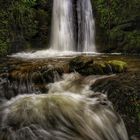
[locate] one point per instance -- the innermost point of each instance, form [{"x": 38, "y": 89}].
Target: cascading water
[
  {"x": 70, "y": 111},
  {"x": 70, "y": 34},
  {"x": 86, "y": 27},
  {"x": 62, "y": 26}
]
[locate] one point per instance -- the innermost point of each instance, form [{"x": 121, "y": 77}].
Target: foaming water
[
  {"x": 70, "y": 111},
  {"x": 50, "y": 54},
  {"x": 75, "y": 83},
  {"x": 56, "y": 54},
  {"x": 59, "y": 116}
]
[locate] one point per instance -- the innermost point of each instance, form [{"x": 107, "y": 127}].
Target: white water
[
  {"x": 62, "y": 26},
  {"x": 70, "y": 111},
  {"x": 50, "y": 54},
  {"x": 62, "y": 41},
  {"x": 86, "y": 27}
]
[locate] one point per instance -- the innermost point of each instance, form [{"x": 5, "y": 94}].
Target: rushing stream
[
  {"x": 40, "y": 99},
  {"x": 70, "y": 111}
]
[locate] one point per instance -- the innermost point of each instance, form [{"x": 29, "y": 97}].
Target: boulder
[
  {"x": 80, "y": 62},
  {"x": 87, "y": 66},
  {"x": 117, "y": 66}
]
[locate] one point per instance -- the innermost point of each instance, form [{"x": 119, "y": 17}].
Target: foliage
[
  {"x": 21, "y": 24},
  {"x": 117, "y": 25},
  {"x": 3, "y": 33}
]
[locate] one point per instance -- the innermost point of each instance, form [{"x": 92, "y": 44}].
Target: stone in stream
[{"x": 87, "y": 66}]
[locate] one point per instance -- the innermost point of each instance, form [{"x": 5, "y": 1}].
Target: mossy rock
[
  {"x": 86, "y": 66},
  {"x": 52, "y": 75},
  {"x": 37, "y": 71},
  {"x": 80, "y": 62},
  {"x": 117, "y": 66},
  {"x": 95, "y": 68}
]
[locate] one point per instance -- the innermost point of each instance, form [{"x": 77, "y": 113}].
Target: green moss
[
  {"x": 87, "y": 66},
  {"x": 118, "y": 66}
]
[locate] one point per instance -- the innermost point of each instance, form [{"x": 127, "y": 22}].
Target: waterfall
[
  {"x": 72, "y": 31},
  {"x": 86, "y": 26},
  {"x": 62, "y": 26}
]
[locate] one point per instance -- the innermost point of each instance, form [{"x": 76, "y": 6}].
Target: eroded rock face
[{"x": 19, "y": 76}]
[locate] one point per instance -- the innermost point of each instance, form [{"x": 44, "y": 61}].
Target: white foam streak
[{"x": 50, "y": 54}]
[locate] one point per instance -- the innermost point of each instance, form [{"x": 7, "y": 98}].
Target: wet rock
[
  {"x": 37, "y": 73},
  {"x": 117, "y": 66},
  {"x": 94, "y": 68},
  {"x": 80, "y": 62},
  {"x": 52, "y": 75},
  {"x": 87, "y": 66},
  {"x": 124, "y": 92},
  {"x": 6, "y": 89},
  {"x": 31, "y": 77}
]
